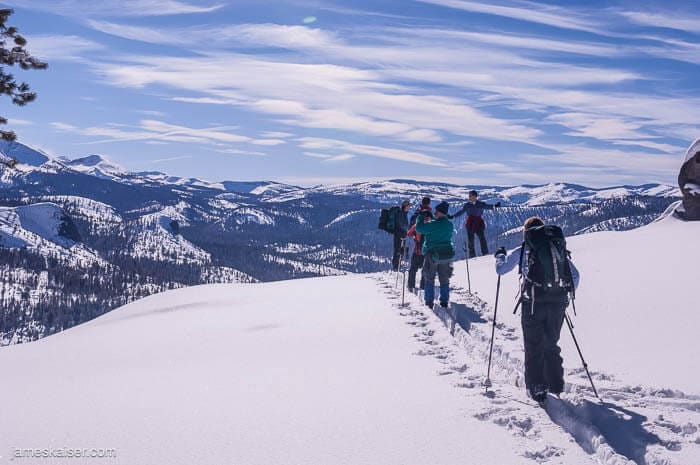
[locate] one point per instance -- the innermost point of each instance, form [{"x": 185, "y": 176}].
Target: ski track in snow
[{"x": 626, "y": 427}]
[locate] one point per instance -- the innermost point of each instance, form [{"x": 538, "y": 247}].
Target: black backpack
[
  {"x": 387, "y": 219},
  {"x": 548, "y": 260}
]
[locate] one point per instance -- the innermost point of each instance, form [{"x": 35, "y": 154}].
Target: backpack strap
[{"x": 520, "y": 261}]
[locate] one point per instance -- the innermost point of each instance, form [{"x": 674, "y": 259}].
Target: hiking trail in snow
[{"x": 631, "y": 425}]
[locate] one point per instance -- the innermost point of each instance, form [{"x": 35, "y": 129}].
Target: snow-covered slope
[
  {"x": 692, "y": 150},
  {"x": 248, "y": 374},
  {"x": 637, "y": 301},
  {"x": 335, "y": 370},
  {"x": 98, "y": 166}
]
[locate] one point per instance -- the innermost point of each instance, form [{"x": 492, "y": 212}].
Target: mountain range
[{"x": 81, "y": 236}]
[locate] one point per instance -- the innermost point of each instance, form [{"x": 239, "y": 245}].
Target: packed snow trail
[{"x": 632, "y": 425}]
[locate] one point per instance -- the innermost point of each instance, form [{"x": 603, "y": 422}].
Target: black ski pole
[
  {"x": 487, "y": 383},
  {"x": 578, "y": 348}
]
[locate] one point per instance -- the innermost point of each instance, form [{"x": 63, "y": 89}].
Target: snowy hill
[{"x": 258, "y": 374}]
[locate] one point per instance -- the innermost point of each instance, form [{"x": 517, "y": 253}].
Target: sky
[{"x": 325, "y": 91}]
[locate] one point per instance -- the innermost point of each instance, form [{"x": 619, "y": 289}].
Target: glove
[
  {"x": 450, "y": 217},
  {"x": 498, "y": 204},
  {"x": 500, "y": 251}
]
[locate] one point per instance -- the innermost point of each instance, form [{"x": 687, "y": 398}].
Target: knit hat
[{"x": 443, "y": 207}]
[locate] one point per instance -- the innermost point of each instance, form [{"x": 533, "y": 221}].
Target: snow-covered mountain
[
  {"x": 529, "y": 195},
  {"x": 251, "y": 373},
  {"x": 141, "y": 233}
]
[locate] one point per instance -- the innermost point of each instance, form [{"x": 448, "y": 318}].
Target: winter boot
[{"x": 539, "y": 394}]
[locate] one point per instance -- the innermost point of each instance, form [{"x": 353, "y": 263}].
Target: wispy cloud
[
  {"x": 526, "y": 11},
  {"x": 154, "y": 130},
  {"x": 117, "y": 8},
  {"x": 61, "y": 47},
  {"x": 317, "y": 143},
  {"x": 686, "y": 21},
  {"x": 163, "y": 160},
  {"x": 330, "y": 158}
]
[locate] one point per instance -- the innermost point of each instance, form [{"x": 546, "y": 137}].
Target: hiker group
[{"x": 547, "y": 275}]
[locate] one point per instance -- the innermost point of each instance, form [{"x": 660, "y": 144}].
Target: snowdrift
[{"x": 638, "y": 311}]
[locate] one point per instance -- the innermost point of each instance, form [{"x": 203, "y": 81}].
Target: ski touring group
[{"x": 548, "y": 277}]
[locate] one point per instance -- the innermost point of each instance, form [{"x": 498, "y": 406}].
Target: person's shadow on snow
[
  {"x": 464, "y": 316},
  {"x": 622, "y": 428}
]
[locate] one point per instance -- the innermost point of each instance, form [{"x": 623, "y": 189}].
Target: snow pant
[
  {"x": 476, "y": 225},
  {"x": 443, "y": 272},
  {"x": 416, "y": 264},
  {"x": 541, "y": 328},
  {"x": 398, "y": 250}
]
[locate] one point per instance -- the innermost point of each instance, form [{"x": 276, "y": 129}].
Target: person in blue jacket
[{"x": 438, "y": 251}]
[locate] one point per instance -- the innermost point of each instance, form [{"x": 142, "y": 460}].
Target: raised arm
[{"x": 461, "y": 212}]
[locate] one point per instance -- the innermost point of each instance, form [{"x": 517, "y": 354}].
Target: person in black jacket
[{"x": 400, "y": 231}]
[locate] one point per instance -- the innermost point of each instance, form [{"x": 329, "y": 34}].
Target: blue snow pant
[
  {"x": 541, "y": 328},
  {"x": 443, "y": 272}
]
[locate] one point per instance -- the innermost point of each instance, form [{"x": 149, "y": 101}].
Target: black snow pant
[
  {"x": 541, "y": 328},
  {"x": 482, "y": 240},
  {"x": 416, "y": 264},
  {"x": 398, "y": 250}
]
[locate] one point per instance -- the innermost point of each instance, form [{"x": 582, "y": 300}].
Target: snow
[
  {"x": 98, "y": 166},
  {"x": 28, "y": 225},
  {"x": 24, "y": 154},
  {"x": 337, "y": 370},
  {"x": 692, "y": 150},
  {"x": 207, "y": 377},
  {"x": 637, "y": 314}
]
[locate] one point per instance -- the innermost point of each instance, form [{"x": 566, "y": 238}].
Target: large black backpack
[
  {"x": 548, "y": 260},
  {"x": 387, "y": 219}
]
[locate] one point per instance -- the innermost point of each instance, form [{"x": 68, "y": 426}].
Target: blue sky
[{"x": 323, "y": 91}]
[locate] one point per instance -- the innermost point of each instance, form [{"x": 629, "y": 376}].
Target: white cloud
[
  {"x": 679, "y": 20},
  {"x": 317, "y": 143},
  {"x": 124, "y": 8},
  {"x": 160, "y": 131},
  {"x": 61, "y": 47},
  {"x": 527, "y": 11}
]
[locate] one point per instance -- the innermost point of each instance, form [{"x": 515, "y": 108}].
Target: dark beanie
[
  {"x": 443, "y": 207},
  {"x": 426, "y": 201}
]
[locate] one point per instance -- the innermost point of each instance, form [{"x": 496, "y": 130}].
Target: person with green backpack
[
  {"x": 438, "y": 250},
  {"x": 549, "y": 280}
]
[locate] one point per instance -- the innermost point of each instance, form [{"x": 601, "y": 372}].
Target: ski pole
[
  {"x": 398, "y": 270},
  {"x": 578, "y": 348},
  {"x": 487, "y": 383},
  {"x": 403, "y": 286},
  {"x": 466, "y": 259}
]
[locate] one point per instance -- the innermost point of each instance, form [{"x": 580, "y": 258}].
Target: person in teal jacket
[{"x": 438, "y": 250}]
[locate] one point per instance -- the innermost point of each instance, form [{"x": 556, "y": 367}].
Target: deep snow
[
  {"x": 336, "y": 370},
  {"x": 316, "y": 371},
  {"x": 638, "y": 310}
]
